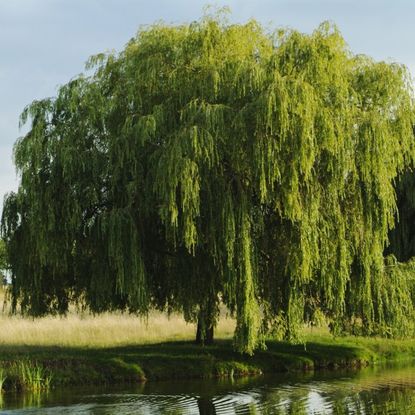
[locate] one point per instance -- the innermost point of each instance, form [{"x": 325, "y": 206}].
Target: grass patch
[
  {"x": 2, "y": 378},
  {"x": 184, "y": 360},
  {"x": 106, "y": 330},
  {"x": 24, "y": 375},
  {"x": 114, "y": 348},
  {"x": 82, "y": 329}
]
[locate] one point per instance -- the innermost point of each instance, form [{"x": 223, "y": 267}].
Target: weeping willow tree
[{"x": 216, "y": 162}]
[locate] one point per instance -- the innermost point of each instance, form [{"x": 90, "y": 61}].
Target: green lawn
[{"x": 184, "y": 360}]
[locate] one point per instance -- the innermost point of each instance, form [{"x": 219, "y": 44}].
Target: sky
[{"x": 45, "y": 43}]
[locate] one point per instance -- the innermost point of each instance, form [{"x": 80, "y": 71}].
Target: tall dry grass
[{"x": 105, "y": 330}]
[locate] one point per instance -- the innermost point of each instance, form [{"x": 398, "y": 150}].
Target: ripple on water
[{"x": 375, "y": 391}]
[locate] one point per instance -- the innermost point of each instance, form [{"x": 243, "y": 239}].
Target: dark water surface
[{"x": 379, "y": 390}]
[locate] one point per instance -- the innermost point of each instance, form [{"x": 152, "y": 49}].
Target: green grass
[
  {"x": 33, "y": 376},
  {"x": 115, "y": 348},
  {"x": 2, "y": 378},
  {"x": 184, "y": 360},
  {"x": 24, "y": 375}
]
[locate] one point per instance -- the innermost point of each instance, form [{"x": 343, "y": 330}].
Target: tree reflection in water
[{"x": 371, "y": 391}]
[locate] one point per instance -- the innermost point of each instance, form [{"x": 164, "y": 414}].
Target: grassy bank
[
  {"x": 183, "y": 360},
  {"x": 114, "y": 348}
]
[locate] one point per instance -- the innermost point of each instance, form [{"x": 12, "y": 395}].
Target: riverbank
[{"x": 35, "y": 367}]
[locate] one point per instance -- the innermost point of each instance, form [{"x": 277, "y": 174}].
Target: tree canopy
[{"x": 215, "y": 162}]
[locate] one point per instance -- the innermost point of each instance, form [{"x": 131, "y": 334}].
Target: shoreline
[{"x": 37, "y": 368}]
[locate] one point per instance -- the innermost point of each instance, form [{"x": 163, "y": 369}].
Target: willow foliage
[
  {"x": 402, "y": 237},
  {"x": 3, "y": 262},
  {"x": 216, "y": 162}
]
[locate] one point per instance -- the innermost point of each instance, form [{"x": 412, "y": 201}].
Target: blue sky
[{"x": 44, "y": 43}]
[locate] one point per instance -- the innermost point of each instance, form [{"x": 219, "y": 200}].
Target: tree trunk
[
  {"x": 199, "y": 330},
  {"x": 209, "y": 335},
  {"x": 205, "y": 329}
]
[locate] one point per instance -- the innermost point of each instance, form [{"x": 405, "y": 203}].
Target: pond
[{"x": 378, "y": 390}]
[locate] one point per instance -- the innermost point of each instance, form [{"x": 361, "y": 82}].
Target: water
[{"x": 380, "y": 390}]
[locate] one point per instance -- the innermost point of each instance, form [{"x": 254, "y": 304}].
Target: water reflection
[{"x": 387, "y": 390}]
